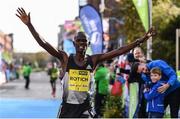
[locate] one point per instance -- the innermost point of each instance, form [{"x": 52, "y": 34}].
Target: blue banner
[{"x": 92, "y": 24}]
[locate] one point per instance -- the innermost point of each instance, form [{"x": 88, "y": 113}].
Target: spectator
[
  {"x": 102, "y": 82},
  {"x": 137, "y": 55},
  {"x": 26, "y": 73},
  {"x": 54, "y": 74},
  {"x": 171, "y": 88},
  {"x": 155, "y": 99}
]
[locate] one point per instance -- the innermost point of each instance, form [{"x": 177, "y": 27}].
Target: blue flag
[{"x": 92, "y": 24}]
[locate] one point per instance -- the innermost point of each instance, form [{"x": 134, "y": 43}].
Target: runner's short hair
[{"x": 80, "y": 35}]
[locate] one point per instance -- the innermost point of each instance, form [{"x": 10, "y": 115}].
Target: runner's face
[{"x": 81, "y": 45}]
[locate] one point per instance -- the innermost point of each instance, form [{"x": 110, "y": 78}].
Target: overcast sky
[{"x": 46, "y": 15}]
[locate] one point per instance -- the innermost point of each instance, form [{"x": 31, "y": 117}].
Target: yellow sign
[{"x": 79, "y": 80}]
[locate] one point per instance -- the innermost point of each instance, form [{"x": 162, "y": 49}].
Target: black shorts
[{"x": 73, "y": 110}]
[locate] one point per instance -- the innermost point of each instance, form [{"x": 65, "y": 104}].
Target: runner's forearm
[
  {"x": 36, "y": 36},
  {"x": 120, "y": 51}
]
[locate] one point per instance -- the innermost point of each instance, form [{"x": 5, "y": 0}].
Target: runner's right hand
[{"x": 23, "y": 16}]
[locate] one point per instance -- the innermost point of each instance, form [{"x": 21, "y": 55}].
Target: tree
[
  {"x": 42, "y": 58},
  {"x": 166, "y": 16},
  {"x": 113, "y": 107}
]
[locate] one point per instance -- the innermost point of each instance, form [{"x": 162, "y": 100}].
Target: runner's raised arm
[
  {"x": 109, "y": 55},
  {"x": 26, "y": 19}
]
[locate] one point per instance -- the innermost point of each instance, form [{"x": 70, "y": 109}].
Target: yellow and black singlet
[{"x": 77, "y": 81}]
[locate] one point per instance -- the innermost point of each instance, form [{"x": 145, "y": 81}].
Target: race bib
[{"x": 79, "y": 80}]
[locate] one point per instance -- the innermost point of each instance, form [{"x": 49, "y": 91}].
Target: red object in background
[{"x": 116, "y": 88}]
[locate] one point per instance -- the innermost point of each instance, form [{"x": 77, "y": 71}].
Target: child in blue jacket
[{"x": 155, "y": 100}]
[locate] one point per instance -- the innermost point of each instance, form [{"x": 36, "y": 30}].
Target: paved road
[
  {"x": 39, "y": 88},
  {"x": 37, "y": 102}
]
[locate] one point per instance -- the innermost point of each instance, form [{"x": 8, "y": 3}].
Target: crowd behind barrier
[{"x": 9, "y": 72}]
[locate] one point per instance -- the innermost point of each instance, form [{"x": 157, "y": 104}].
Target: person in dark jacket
[
  {"x": 155, "y": 99},
  {"x": 171, "y": 88},
  {"x": 137, "y": 55}
]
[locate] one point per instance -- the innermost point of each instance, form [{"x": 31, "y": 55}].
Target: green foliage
[
  {"x": 113, "y": 107},
  {"x": 164, "y": 12},
  {"x": 165, "y": 50},
  {"x": 132, "y": 27},
  {"x": 42, "y": 58},
  {"x": 170, "y": 32},
  {"x": 165, "y": 17}
]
